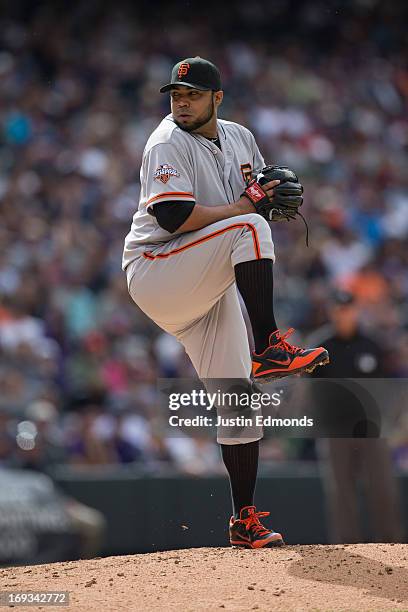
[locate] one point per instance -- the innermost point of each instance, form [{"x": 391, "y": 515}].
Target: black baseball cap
[{"x": 194, "y": 72}]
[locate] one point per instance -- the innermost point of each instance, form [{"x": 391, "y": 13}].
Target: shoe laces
[
  {"x": 282, "y": 344},
  {"x": 253, "y": 522}
]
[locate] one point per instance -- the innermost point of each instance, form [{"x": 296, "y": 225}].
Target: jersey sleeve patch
[{"x": 164, "y": 172}]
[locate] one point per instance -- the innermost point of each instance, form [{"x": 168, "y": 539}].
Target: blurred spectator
[
  {"x": 88, "y": 443},
  {"x": 353, "y": 464}
]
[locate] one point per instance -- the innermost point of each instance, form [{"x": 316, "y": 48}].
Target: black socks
[
  {"x": 255, "y": 283},
  {"x": 241, "y": 461}
]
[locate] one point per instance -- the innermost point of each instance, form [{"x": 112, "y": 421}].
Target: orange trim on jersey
[
  {"x": 190, "y": 245},
  {"x": 170, "y": 193}
]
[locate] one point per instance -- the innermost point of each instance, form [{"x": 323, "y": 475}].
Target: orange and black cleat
[
  {"x": 283, "y": 359},
  {"x": 248, "y": 531}
]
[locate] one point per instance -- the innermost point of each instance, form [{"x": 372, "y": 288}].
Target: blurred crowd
[{"x": 78, "y": 100}]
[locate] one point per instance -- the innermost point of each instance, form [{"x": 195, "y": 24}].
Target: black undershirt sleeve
[{"x": 172, "y": 214}]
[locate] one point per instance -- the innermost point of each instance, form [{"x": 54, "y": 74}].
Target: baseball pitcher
[{"x": 201, "y": 233}]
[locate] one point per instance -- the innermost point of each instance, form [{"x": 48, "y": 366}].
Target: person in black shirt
[{"x": 350, "y": 461}]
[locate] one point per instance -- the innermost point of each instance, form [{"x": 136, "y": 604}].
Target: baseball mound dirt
[{"x": 369, "y": 577}]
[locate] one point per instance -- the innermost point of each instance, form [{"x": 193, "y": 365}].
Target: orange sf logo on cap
[{"x": 183, "y": 70}]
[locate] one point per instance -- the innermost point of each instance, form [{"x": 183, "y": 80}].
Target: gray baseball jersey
[
  {"x": 185, "y": 282},
  {"x": 177, "y": 165}
]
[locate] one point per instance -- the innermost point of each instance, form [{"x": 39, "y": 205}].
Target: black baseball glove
[{"x": 287, "y": 196}]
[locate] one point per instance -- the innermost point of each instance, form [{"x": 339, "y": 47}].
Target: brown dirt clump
[{"x": 346, "y": 578}]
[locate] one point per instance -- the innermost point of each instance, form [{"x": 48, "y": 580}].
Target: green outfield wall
[{"x": 147, "y": 513}]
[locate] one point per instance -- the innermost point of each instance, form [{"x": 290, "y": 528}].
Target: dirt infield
[{"x": 369, "y": 577}]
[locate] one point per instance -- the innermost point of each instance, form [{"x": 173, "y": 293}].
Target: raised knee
[
  {"x": 258, "y": 222},
  {"x": 261, "y": 235},
  {"x": 260, "y": 226}
]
